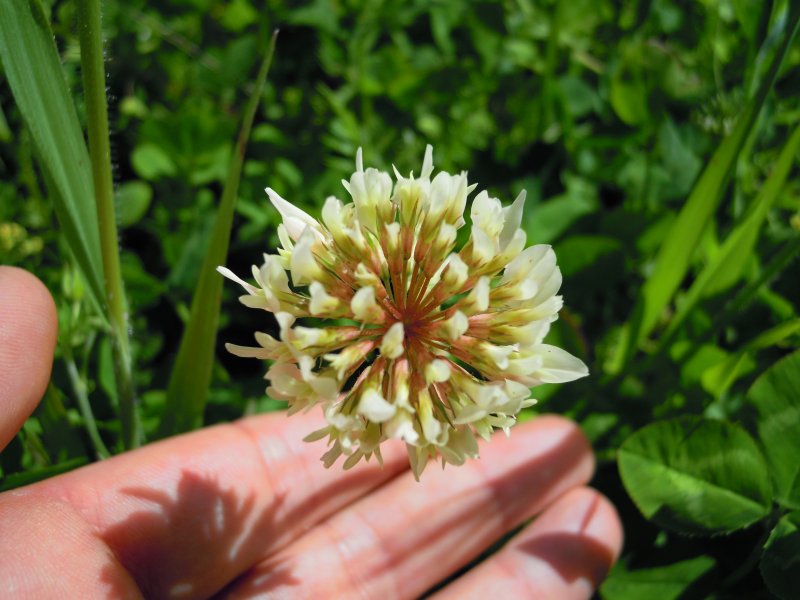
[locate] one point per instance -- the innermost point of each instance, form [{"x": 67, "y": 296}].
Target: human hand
[{"x": 246, "y": 510}]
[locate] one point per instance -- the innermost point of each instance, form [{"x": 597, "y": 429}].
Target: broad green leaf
[
  {"x": 33, "y": 70},
  {"x": 780, "y": 563},
  {"x": 629, "y": 96},
  {"x": 696, "y": 475},
  {"x": 133, "y": 199},
  {"x": 667, "y": 582},
  {"x": 674, "y": 256},
  {"x": 776, "y": 398},
  {"x": 152, "y": 162},
  {"x": 718, "y": 378},
  {"x": 191, "y": 375},
  {"x": 727, "y": 265}
]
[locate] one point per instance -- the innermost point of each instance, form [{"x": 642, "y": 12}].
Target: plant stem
[
  {"x": 85, "y": 407},
  {"x": 94, "y": 86}
]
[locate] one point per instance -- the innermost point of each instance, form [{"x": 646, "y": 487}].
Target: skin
[{"x": 246, "y": 510}]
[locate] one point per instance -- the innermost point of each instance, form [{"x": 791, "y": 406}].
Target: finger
[
  {"x": 405, "y": 537},
  {"x": 28, "y": 326},
  {"x": 74, "y": 564},
  {"x": 564, "y": 555},
  {"x": 186, "y": 515}
]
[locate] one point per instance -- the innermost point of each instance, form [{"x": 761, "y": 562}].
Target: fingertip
[
  {"x": 587, "y": 518},
  {"x": 565, "y": 554},
  {"x": 28, "y": 329},
  {"x": 572, "y": 545}
]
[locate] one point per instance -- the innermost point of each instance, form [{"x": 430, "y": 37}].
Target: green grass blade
[
  {"x": 726, "y": 267},
  {"x": 191, "y": 376},
  {"x": 673, "y": 259},
  {"x": 33, "y": 69}
]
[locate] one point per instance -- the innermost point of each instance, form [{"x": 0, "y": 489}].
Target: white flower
[{"x": 432, "y": 345}]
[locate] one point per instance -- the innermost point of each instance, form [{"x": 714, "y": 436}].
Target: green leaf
[
  {"x": 674, "y": 256},
  {"x": 666, "y": 582},
  {"x": 629, "y": 97},
  {"x": 151, "y": 162},
  {"x": 717, "y": 379},
  {"x": 776, "y": 398},
  {"x": 696, "y": 475},
  {"x": 189, "y": 382},
  {"x": 780, "y": 563},
  {"x": 727, "y": 265},
  {"x": 133, "y": 199},
  {"x": 33, "y": 69}
]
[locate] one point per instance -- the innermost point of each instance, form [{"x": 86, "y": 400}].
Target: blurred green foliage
[{"x": 605, "y": 111}]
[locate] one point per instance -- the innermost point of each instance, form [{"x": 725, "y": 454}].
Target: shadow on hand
[
  {"x": 191, "y": 542},
  {"x": 573, "y": 554},
  {"x": 536, "y": 482}
]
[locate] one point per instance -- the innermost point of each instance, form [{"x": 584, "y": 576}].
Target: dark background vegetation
[{"x": 604, "y": 111}]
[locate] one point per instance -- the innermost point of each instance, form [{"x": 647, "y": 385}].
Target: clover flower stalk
[{"x": 409, "y": 338}]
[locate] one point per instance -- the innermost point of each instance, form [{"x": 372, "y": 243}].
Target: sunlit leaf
[
  {"x": 33, "y": 69},
  {"x": 667, "y": 582},
  {"x": 776, "y": 397},
  {"x": 696, "y": 475},
  {"x": 132, "y": 199}
]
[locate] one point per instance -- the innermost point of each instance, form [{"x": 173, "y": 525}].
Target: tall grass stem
[{"x": 94, "y": 85}]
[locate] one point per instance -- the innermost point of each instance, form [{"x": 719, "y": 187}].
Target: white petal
[
  {"x": 392, "y": 343},
  {"x": 559, "y": 366},
  {"x": 321, "y": 301},
  {"x": 304, "y": 265},
  {"x": 519, "y": 268},
  {"x": 487, "y": 213},
  {"x": 225, "y": 272},
  {"x": 248, "y": 351},
  {"x": 456, "y": 272},
  {"x": 431, "y": 427},
  {"x": 375, "y": 407},
  {"x": 294, "y": 218},
  {"x": 437, "y": 371},
  {"x": 359, "y": 160},
  {"x": 456, "y": 325},
  {"x": 364, "y": 306},
  {"x": 513, "y": 219},
  {"x": 427, "y": 163},
  {"x": 484, "y": 246},
  {"x": 285, "y": 321},
  {"x": 478, "y": 299},
  {"x": 401, "y": 427},
  {"x": 498, "y": 354}
]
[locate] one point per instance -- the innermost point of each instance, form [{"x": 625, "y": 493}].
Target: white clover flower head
[{"x": 411, "y": 339}]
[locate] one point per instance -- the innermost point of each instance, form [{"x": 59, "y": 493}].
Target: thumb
[{"x": 28, "y": 327}]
